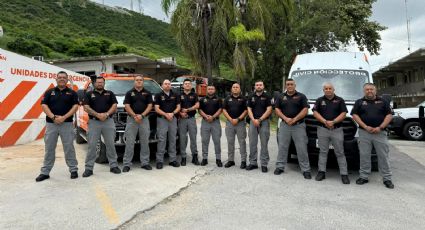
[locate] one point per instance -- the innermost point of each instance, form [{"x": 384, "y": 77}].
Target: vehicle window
[
  {"x": 421, "y": 104},
  {"x": 348, "y": 83},
  {"x": 120, "y": 87}
]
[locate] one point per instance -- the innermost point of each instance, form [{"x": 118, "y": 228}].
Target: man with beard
[
  {"x": 167, "y": 105},
  {"x": 330, "y": 111},
  {"x": 187, "y": 122},
  {"x": 138, "y": 104},
  {"x": 210, "y": 108},
  {"x": 292, "y": 107},
  {"x": 100, "y": 104},
  {"x": 373, "y": 114},
  {"x": 259, "y": 110},
  {"x": 234, "y": 110},
  {"x": 59, "y": 104}
]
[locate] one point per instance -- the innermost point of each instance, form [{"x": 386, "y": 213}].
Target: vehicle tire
[
  {"x": 101, "y": 152},
  {"x": 78, "y": 138},
  {"x": 413, "y": 131}
]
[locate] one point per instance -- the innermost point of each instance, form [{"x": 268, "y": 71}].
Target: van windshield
[{"x": 348, "y": 83}]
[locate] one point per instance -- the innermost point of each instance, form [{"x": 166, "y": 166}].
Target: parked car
[{"x": 408, "y": 125}]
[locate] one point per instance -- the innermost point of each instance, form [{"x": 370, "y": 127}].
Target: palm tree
[{"x": 202, "y": 27}]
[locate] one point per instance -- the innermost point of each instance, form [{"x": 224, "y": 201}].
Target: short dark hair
[
  {"x": 369, "y": 84},
  {"x": 187, "y": 79},
  {"x": 139, "y": 75},
  {"x": 62, "y": 72},
  {"x": 97, "y": 78},
  {"x": 259, "y": 81},
  {"x": 211, "y": 85},
  {"x": 289, "y": 79}
]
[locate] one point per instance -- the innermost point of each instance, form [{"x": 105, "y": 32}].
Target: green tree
[
  {"x": 317, "y": 25},
  {"x": 201, "y": 27}
]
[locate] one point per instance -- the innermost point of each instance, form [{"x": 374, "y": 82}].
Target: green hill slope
[{"x": 72, "y": 28}]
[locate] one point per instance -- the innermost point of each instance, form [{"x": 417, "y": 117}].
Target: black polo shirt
[
  {"x": 138, "y": 100},
  {"x": 372, "y": 112},
  {"x": 60, "y": 102},
  {"x": 235, "y": 106},
  {"x": 291, "y": 106},
  {"x": 167, "y": 103},
  {"x": 330, "y": 108},
  {"x": 187, "y": 101},
  {"x": 259, "y": 104},
  {"x": 100, "y": 102},
  {"x": 210, "y": 105}
]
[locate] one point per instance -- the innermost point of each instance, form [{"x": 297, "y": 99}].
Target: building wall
[{"x": 407, "y": 87}]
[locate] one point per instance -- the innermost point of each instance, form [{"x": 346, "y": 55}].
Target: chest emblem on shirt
[
  {"x": 323, "y": 103},
  {"x": 53, "y": 93},
  {"x": 364, "y": 103},
  {"x": 284, "y": 98},
  {"x": 92, "y": 95},
  {"x": 133, "y": 94},
  {"x": 230, "y": 99},
  {"x": 107, "y": 94},
  {"x": 263, "y": 98},
  {"x": 335, "y": 101},
  {"x": 191, "y": 97},
  {"x": 68, "y": 93},
  {"x": 163, "y": 98},
  {"x": 378, "y": 102},
  {"x": 253, "y": 99}
]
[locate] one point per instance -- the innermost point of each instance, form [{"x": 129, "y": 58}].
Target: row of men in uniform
[{"x": 176, "y": 113}]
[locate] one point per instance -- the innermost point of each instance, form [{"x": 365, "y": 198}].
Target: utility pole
[{"x": 409, "y": 42}]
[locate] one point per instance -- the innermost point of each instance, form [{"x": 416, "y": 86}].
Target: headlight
[{"x": 396, "y": 113}]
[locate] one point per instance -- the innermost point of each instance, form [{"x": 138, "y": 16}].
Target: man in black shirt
[
  {"x": 167, "y": 106},
  {"x": 259, "y": 110},
  {"x": 234, "y": 109},
  {"x": 292, "y": 107},
  {"x": 330, "y": 111},
  {"x": 100, "y": 104},
  {"x": 210, "y": 108},
  {"x": 59, "y": 104},
  {"x": 187, "y": 122},
  {"x": 373, "y": 114},
  {"x": 138, "y": 104}
]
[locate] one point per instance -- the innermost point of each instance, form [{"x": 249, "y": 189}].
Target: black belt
[
  {"x": 335, "y": 126},
  {"x": 297, "y": 123},
  {"x": 97, "y": 119}
]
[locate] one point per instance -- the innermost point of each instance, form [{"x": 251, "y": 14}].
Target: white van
[{"x": 348, "y": 72}]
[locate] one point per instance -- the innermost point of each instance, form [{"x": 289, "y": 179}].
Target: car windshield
[
  {"x": 348, "y": 83},
  {"x": 179, "y": 79},
  {"x": 421, "y": 104},
  {"x": 120, "y": 87}
]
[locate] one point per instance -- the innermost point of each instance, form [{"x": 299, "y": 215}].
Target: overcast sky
[{"x": 390, "y": 13}]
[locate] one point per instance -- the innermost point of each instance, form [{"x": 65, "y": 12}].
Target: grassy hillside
[{"x": 72, "y": 28}]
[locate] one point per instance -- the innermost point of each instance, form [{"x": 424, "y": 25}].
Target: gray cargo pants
[
  {"x": 66, "y": 133},
  {"x": 264, "y": 132},
  {"x": 133, "y": 128},
  {"x": 207, "y": 130},
  {"x": 299, "y": 135},
  {"x": 188, "y": 125},
  {"x": 380, "y": 142},
  {"x": 106, "y": 129},
  {"x": 240, "y": 131},
  {"x": 164, "y": 128},
  {"x": 336, "y": 137}
]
